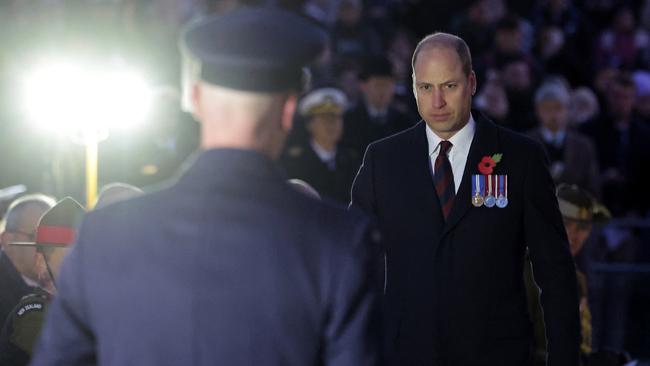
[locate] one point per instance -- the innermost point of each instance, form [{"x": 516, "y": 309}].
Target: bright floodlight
[{"x": 75, "y": 98}]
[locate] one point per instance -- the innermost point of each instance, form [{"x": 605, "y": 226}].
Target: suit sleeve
[
  {"x": 363, "y": 186},
  {"x": 354, "y": 330},
  {"x": 67, "y": 338},
  {"x": 552, "y": 263}
]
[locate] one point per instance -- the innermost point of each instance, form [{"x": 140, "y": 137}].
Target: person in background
[
  {"x": 580, "y": 210},
  {"x": 321, "y": 161},
  {"x": 55, "y": 233},
  {"x": 572, "y": 155},
  {"x": 583, "y": 107},
  {"x": 374, "y": 116},
  {"x": 19, "y": 271}
]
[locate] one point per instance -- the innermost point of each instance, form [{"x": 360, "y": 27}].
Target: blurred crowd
[{"x": 572, "y": 74}]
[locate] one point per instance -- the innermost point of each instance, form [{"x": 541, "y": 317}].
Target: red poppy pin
[{"x": 488, "y": 163}]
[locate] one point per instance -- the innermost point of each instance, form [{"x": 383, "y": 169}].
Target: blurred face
[
  {"x": 379, "y": 91},
  {"x": 326, "y": 129},
  {"x": 516, "y": 76},
  {"x": 553, "y": 114},
  {"x": 509, "y": 40},
  {"x": 621, "y": 100},
  {"x": 442, "y": 90},
  {"x": 24, "y": 258},
  {"x": 577, "y": 233}
]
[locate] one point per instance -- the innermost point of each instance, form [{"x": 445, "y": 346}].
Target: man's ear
[
  {"x": 5, "y": 239},
  {"x": 288, "y": 111}
]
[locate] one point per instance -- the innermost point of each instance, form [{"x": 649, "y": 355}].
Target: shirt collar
[
  {"x": 323, "y": 154},
  {"x": 461, "y": 139}
]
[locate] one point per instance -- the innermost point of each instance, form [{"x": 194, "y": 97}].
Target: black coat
[
  {"x": 455, "y": 293},
  {"x": 12, "y": 287},
  {"x": 229, "y": 266},
  {"x": 360, "y": 130},
  {"x": 301, "y": 162}
]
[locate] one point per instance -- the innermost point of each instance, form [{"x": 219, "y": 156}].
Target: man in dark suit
[
  {"x": 374, "y": 116},
  {"x": 18, "y": 266},
  {"x": 230, "y": 265},
  {"x": 458, "y": 200},
  {"x": 572, "y": 155}
]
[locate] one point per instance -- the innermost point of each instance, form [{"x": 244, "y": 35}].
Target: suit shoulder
[{"x": 399, "y": 139}]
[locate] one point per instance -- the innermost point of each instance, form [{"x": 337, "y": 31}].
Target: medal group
[{"x": 490, "y": 190}]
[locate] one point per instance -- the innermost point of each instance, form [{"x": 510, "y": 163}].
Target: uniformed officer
[
  {"x": 54, "y": 234},
  {"x": 579, "y": 210},
  {"x": 321, "y": 161},
  {"x": 229, "y": 264}
]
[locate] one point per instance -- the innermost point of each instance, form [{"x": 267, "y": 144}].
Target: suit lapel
[{"x": 485, "y": 142}]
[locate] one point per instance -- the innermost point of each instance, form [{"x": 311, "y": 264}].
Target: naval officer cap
[{"x": 252, "y": 49}]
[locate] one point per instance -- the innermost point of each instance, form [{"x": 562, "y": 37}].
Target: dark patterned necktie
[{"x": 443, "y": 178}]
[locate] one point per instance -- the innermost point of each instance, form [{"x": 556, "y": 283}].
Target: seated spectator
[
  {"x": 518, "y": 81},
  {"x": 572, "y": 156},
  {"x": 374, "y": 116},
  {"x": 492, "y": 101},
  {"x": 321, "y": 162},
  {"x": 622, "y": 148},
  {"x": 621, "y": 44},
  {"x": 583, "y": 107},
  {"x": 352, "y": 38},
  {"x": 19, "y": 271}
]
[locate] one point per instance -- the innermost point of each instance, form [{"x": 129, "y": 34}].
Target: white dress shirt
[{"x": 461, "y": 142}]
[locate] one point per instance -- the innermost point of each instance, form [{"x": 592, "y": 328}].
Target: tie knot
[{"x": 445, "y": 146}]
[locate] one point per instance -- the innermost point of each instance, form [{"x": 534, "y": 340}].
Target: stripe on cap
[{"x": 55, "y": 235}]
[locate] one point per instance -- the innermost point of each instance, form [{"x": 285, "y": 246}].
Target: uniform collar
[{"x": 228, "y": 165}]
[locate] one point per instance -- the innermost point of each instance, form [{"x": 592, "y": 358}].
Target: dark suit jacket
[
  {"x": 12, "y": 287},
  {"x": 228, "y": 266},
  {"x": 455, "y": 293},
  {"x": 579, "y": 160},
  {"x": 302, "y": 162},
  {"x": 360, "y": 130}
]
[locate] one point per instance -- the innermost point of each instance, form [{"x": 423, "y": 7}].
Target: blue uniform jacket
[{"x": 228, "y": 266}]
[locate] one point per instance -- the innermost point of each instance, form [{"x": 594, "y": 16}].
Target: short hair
[
  {"x": 16, "y": 210},
  {"x": 553, "y": 90},
  {"x": 446, "y": 40}
]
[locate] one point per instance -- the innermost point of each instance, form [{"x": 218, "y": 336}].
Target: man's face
[
  {"x": 577, "y": 232},
  {"x": 442, "y": 91},
  {"x": 326, "y": 129},
  {"x": 379, "y": 91},
  {"x": 24, "y": 258},
  {"x": 553, "y": 114}
]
